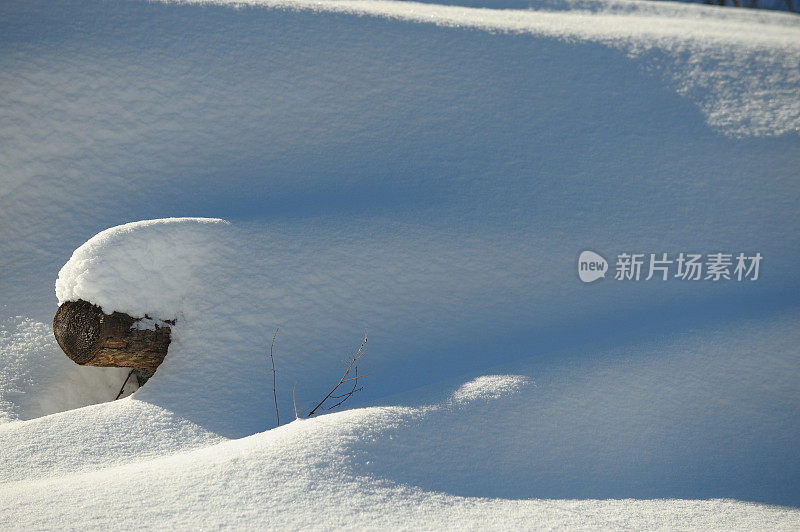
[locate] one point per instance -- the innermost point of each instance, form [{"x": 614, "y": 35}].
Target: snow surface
[
  {"x": 734, "y": 99},
  {"x": 488, "y": 387},
  {"x": 430, "y": 173},
  {"x": 37, "y": 378},
  {"x": 613, "y": 427}
]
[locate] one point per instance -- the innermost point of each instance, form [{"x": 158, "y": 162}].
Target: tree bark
[{"x": 91, "y": 338}]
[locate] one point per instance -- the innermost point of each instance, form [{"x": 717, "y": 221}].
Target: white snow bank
[
  {"x": 191, "y": 270},
  {"x": 96, "y": 437},
  {"x": 432, "y": 184},
  {"x": 227, "y": 295},
  {"x": 696, "y": 415},
  {"x": 38, "y": 379},
  {"x": 719, "y": 60},
  {"x": 298, "y": 477},
  {"x": 524, "y": 140},
  {"x": 489, "y": 387},
  {"x": 162, "y": 268},
  {"x": 640, "y": 436}
]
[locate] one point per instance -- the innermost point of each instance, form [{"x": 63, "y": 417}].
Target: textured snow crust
[
  {"x": 609, "y": 432},
  {"x": 429, "y": 173}
]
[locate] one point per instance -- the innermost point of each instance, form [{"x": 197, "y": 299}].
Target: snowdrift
[{"x": 429, "y": 173}]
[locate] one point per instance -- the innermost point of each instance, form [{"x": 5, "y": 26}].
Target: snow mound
[
  {"x": 489, "y": 387},
  {"x": 37, "y": 379},
  {"x": 642, "y": 436},
  {"x": 189, "y": 270},
  {"x": 96, "y": 437},
  {"x": 300, "y": 476},
  {"x": 153, "y": 267},
  {"x": 429, "y": 173},
  {"x": 653, "y": 420},
  {"x": 740, "y": 69}
]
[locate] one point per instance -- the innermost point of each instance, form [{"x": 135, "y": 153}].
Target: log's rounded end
[
  {"x": 91, "y": 338},
  {"x": 78, "y": 328}
]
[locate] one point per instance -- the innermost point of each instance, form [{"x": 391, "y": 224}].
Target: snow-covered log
[{"x": 90, "y": 337}]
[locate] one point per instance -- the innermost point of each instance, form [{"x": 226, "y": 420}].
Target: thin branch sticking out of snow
[
  {"x": 351, "y": 365},
  {"x": 274, "y": 376}
]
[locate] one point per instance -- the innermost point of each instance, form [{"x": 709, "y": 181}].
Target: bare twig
[
  {"x": 351, "y": 365},
  {"x": 294, "y": 402},
  {"x": 124, "y": 383},
  {"x": 274, "y": 377},
  {"x": 346, "y": 396},
  {"x": 358, "y": 376}
]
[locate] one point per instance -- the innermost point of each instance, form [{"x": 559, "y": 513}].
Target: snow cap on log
[
  {"x": 123, "y": 275},
  {"x": 154, "y": 267}
]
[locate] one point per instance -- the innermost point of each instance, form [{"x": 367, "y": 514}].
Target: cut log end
[{"x": 92, "y": 338}]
